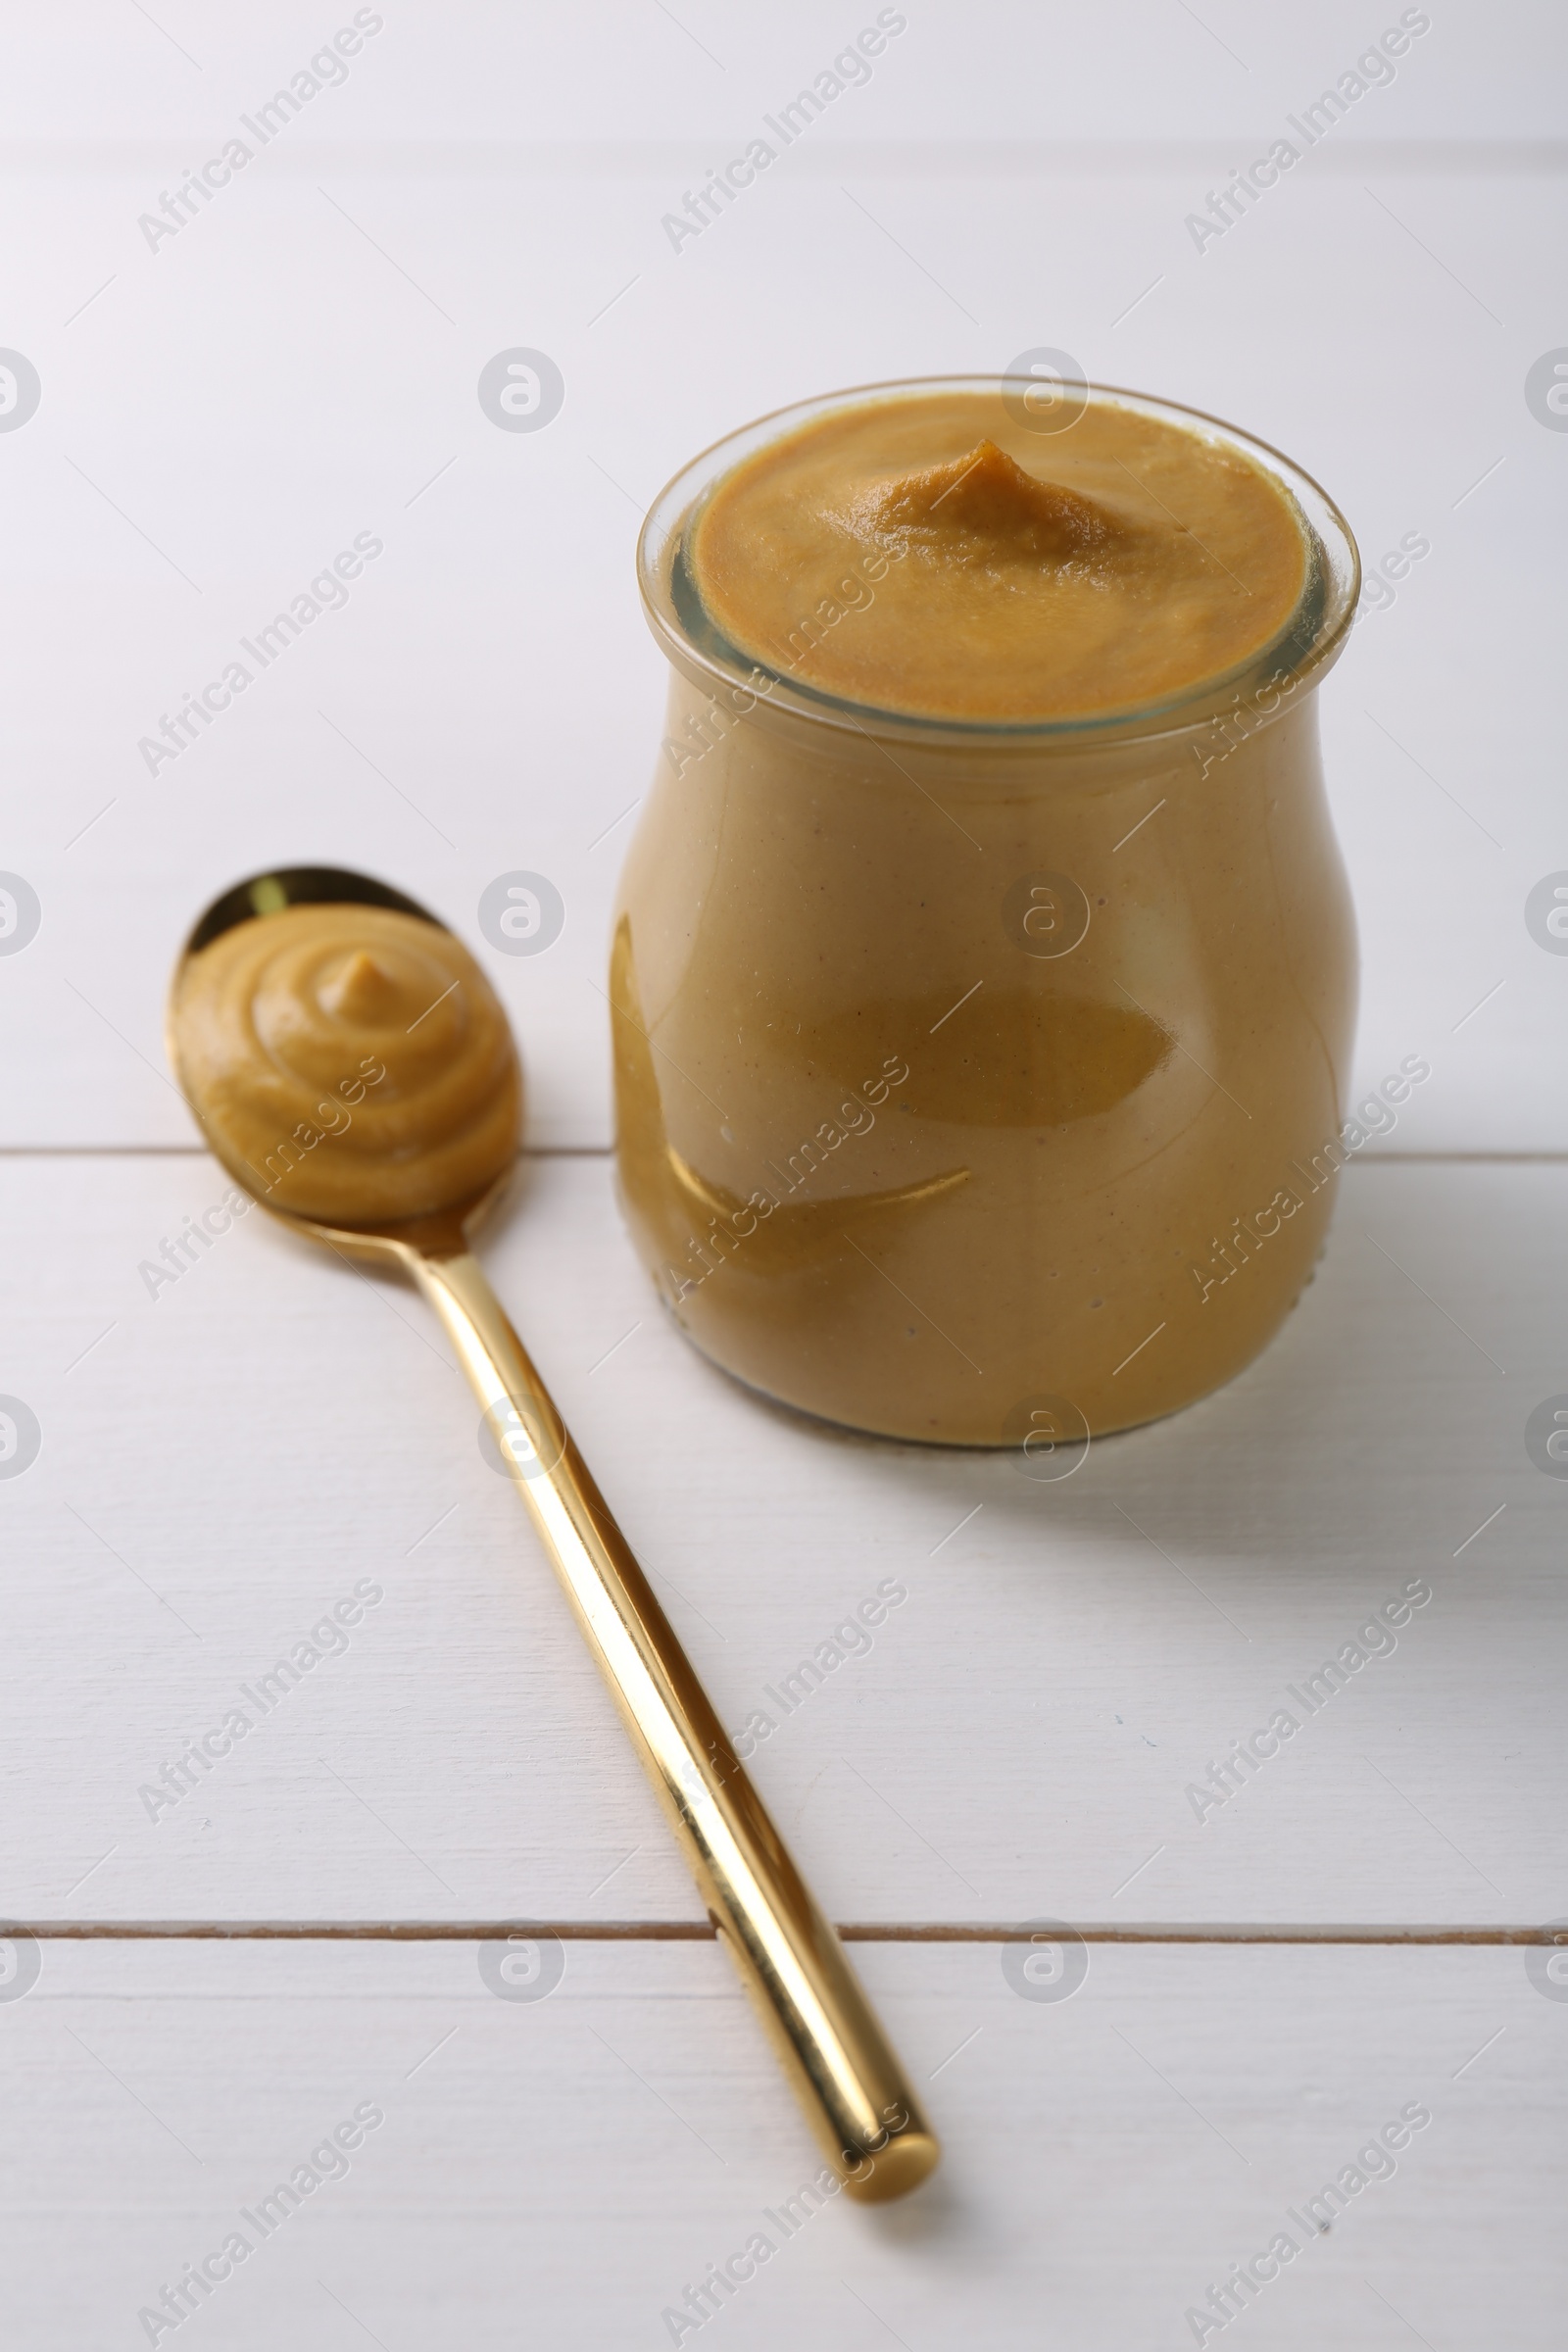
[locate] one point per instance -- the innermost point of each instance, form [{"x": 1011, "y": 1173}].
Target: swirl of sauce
[{"x": 351, "y": 1063}]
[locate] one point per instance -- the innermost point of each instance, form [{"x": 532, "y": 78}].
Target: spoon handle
[{"x": 843, "y": 2071}]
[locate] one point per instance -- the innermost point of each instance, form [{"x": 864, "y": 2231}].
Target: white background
[
  {"x": 221, "y": 1462},
  {"x": 278, "y": 377}
]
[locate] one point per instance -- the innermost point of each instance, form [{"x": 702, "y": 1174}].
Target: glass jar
[{"x": 980, "y": 1083}]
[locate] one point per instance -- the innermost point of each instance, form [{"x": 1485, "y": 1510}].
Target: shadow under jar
[{"x": 981, "y": 1082}]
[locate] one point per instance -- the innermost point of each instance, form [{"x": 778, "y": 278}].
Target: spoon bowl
[{"x": 269, "y": 894}]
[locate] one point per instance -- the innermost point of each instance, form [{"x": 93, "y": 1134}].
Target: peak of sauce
[
  {"x": 929, "y": 556},
  {"x": 983, "y": 509},
  {"x": 351, "y": 1063},
  {"x": 362, "y": 989}
]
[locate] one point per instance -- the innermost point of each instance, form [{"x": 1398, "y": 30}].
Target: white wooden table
[{"x": 209, "y": 1979}]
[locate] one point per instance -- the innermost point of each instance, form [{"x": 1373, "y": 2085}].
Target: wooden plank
[
  {"x": 489, "y": 700},
  {"x": 568, "y": 2167},
  {"x": 224, "y": 1464}
]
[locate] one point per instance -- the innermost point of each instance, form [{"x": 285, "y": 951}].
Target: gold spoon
[{"x": 844, "y": 2072}]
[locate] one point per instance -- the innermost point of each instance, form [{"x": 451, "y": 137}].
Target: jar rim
[{"x": 1297, "y": 655}]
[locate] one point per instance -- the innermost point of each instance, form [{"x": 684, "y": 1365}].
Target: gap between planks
[
  {"x": 696, "y": 1930},
  {"x": 1368, "y": 1159},
  {"x": 200, "y": 1151},
  {"x": 664, "y": 159}
]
